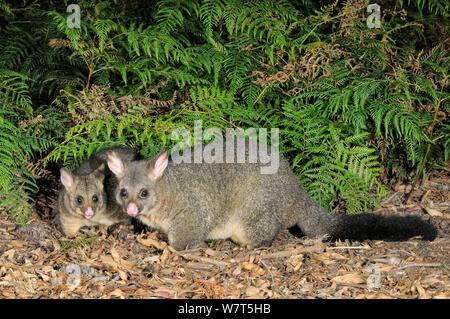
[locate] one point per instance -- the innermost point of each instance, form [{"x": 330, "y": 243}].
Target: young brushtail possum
[
  {"x": 193, "y": 202},
  {"x": 87, "y": 195}
]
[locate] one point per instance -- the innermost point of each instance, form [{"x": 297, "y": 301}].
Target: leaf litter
[{"x": 36, "y": 261}]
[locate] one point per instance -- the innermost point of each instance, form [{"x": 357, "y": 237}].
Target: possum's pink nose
[
  {"x": 88, "y": 213},
  {"x": 132, "y": 209}
]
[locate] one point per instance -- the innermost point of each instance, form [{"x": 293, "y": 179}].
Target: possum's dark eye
[
  {"x": 95, "y": 198},
  {"x": 143, "y": 193},
  {"x": 79, "y": 200},
  {"x": 123, "y": 192}
]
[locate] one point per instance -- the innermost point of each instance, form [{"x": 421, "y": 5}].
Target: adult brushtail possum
[
  {"x": 87, "y": 195},
  {"x": 194, "y": 202}
]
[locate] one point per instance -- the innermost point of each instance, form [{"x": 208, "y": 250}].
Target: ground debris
[{"x": 36, "y": 261}]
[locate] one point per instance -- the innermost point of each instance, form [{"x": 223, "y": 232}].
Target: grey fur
[
  {"x": 192, "y": 203},
  {"x": 91, "y": 178}
]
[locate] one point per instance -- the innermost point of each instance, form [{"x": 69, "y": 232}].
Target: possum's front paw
[
  {"x": 70, "y": 230},
  {"x": 181, "y": 243}
]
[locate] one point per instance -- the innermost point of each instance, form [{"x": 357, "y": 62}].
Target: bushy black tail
[{"x": 391, "y": 228}]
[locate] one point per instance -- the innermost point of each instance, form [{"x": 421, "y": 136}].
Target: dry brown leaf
[
  {"x": 142, "y": 293},
  {"x": 254, "y": 269},
  {"x": 333, "y": 255},
  {"x": 8, "y": 293},
  {"x": 47, "y": 269},
  {"x": 296, "y": 264},
  {"x": 353, "y": 278},
  {"x": 398, "y": 185},
  {"x": 324, "y": 258},
  {"x": 433, "y": 212},
  {"x": 165, "y": 293},
  {"x": 237, "y": 271},
  {"x": 99, "y": 287},
  {"x": 17, "y": 243},
  {"x": 152, "y": 259},
  {"x": 55, "y": 243},
  {"x": 128, "y": 263},
  {"x": 392, "y": 208},
  {"x": 211, "y": 252},
  {"x": 386, "y": 268},
  {"x": 108, "y": 260},
  {"x": 252, "y": 291},
  {"x": 117, "y": 293},
  {"x": 420, "y": 289},
  {"x": 431, "y": 281},
  {"x": 115, "y": 255},
  {"x": 149, "y": 242},
  {"x": 10, "y": 276},
  {"x": 442, "y": 295},
  {"x": 123, "y": 275},
  {"x": 403, "y": 188},
  {"x": 120, "y": 261},
  {"x": 257, "y": 296},
  {"x": 9, "y": 254},
  {"x": 165, "y": 255},
  {"x": 44, "y": 277}
]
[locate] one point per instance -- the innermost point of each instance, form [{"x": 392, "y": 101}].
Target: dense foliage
[{"x": 355, "y": 105}]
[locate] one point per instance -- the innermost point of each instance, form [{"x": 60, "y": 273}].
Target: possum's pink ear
[
  {"x": 158, "y": 165},
  {"x": 115, "y": 164},
  {"x": 66, "y": 178}
]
